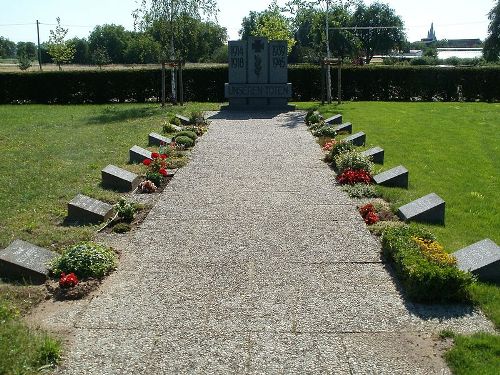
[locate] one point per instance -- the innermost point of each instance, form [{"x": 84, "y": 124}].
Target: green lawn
[
  {"x": 452, "y": 149},
  {"x": 52, "y": 153}
]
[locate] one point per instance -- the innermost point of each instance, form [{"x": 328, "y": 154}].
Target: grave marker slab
[
  {"x": 171, "y": 172},
  {"x": 25, "y": 261},
  {"x": 376, "y": 153},
  {"x": 357, "y": 139},
  {"x": 345, "y": 127},
  {"x": 428, "y": 209},
  {"x": 138, "y": 154},
  {"x": 482, "y": 259},
  {"x": 335, "y": 120},
  {"x": 183, "y": 119},
  {"x": 156, "y": 139},
  {"x": 395, "y": 177},
  {"x": 119, "y": 179},
  {"x": 86, "y": 210}
]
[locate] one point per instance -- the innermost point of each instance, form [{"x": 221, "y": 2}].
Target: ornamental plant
[
  {"x": 368, "y": 214},
  {"x": 434, "y": 251},
  {"x": 156, "y": 166},
  {"x": 125, "y": 210},
  {"x": 313, "y": 117},
  {"x": 86, "y": 259},
  {"x": 68, "y": 281},
  {"x": 351, "y": 177},
  {"x": 197, "y": 118},
  {"x": 353, "y": 160},
  {"x": 340, "y": 147},
  {"x": 329, "y": 145},
  {"x": 147, "y": 187},
  {"x": 183, "y": 142},
  {"x": 325, "y": 131},
  {"x": 186, "y": 133}
]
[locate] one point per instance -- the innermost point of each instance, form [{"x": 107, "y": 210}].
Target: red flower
[
  {"x": 68, "y": 281},
  {"x": 146, "y": 162},
  {"x": 163, "y": 156},
  {"x": 351, "y": 177},
  {"x": 371, "y": 218},
  {"x": 163, "y": 172},
  {"x": 155, "y": 155}
]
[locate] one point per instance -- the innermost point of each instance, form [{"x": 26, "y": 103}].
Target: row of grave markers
[
  {"x": 481, "y": 258},
  {"x": 24, "y": 261}
]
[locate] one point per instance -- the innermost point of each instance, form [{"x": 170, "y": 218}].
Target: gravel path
[{"x": 253, "y": 261}]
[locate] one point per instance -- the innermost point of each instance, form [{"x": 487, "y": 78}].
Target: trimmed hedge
[
  {"x": 206, "y": 84},
  {"x": 423, "y": 280}
]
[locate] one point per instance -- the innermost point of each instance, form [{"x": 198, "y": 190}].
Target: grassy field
[
  {"x": 10, "y": 65},
  {"x": 451, "y": 149}
]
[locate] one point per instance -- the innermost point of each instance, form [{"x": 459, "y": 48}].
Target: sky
[{"x": 453, "y": 19}]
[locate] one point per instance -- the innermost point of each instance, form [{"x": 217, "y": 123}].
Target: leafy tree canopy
[{"x": 491, "y": 50}]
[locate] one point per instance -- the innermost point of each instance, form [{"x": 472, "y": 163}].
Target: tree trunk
[{"x": 163, "y": 88}]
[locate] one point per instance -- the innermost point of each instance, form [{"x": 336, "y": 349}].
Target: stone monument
[{"x": 258, "y": 75}]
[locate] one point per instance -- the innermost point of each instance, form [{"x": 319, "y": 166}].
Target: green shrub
[
  {"x": 168, "y": 128},
  {"x": 379, "y": 227},
  {"x": 86, "y": 260},
  {"x": 125, "y": 210},
  {"x": 175, "y": 121},
  {"x": 198, "y": 130},
  {"x": 361, "y": 191},
  {"x": 184, "y": 141},
  {"x": 155, "y": 177},
  {"x": 122, "y": 228},
  {"x": 339, "y": 148},
  {"x": 423, "y": 280},
  {"x": 353, "y": 160},
  {"x": 325, "y": 131},
  {"x": 198, "y": 118},
  {"x": 313, "y": 117},
  {"x": 186, "y": 133}
]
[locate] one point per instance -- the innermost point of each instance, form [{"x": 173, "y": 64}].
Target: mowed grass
[
  {"x": 451, "y": 149},
  {"x": 52, "y": 153}
]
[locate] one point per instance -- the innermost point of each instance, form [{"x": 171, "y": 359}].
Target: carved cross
[{"x": 257, "y": 46}]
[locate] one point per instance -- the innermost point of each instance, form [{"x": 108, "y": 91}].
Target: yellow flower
[{"x": 434, "y": 251}]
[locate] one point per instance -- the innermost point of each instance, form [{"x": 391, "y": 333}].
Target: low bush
[
  {"x": 186, "y": 133},
  {"x": 125, "y": 210},
  {"x": 199, "y": 130},
  {"x": 86, "y": 260},
  {"x": 379, "y": 228},
  {"x": 122, "y": 228},
  {"x": 313, "y": 117},
  {"x": 423, "y": 280},
  {"x": 339, "y": 148},
  {"x": 361, "y": 191},
  {"x": 325, "y": 131},
  {"x": 197, "y": 118},
  {"x": 184, "y": 141},
  {"x": 353, "y": 160},
  {"x": 352, "y": 177},
  {"x": 169, "y": 128}
]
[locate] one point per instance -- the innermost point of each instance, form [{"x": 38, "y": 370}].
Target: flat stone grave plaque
[
  {"x": 138, "y": 154},
  {"x": 337, "y": 120},
  {"x": 428, "y": 209},
  {"x": 345, "y": 127},
  {"x": 156, "y": 139},
  {"x": 25, "y": 261},
  {"x": 482, "y": 259},
  {"x": 376, "y": 153},
  {"x": 183, "y": 119},
  {"x": 357, "y": 139},
  {"x": 395, "y": 177},
  {"x": 171, "y": 172},
  {"x": 86, "y": 210},
  {"x": 119, "y": 179}
]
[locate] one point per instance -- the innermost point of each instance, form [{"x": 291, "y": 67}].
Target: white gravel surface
[{"x": 254, "y": 262}]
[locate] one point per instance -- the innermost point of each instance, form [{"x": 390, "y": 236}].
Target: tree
[
  {"x": 26, "y": 50},
  {"x": 170, "y": 15},
  {"x": 491, "y": 49},
  {"x": 7, "y": 48},
  {"x": 378, "y": 40},
  {"x": 113, "y": 38},
  {"x": 142, "y": 49},
  {"x": 271, "y": 24},
  {"x": 61, "y": 51},
  {"x": 82, "y": 53},
  {"x": 100, "y": 57}
]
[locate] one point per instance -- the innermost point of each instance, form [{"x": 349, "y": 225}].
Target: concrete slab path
[{"x": 254, "y": 262}]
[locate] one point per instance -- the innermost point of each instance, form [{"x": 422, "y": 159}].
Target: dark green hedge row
[
  {"x": 388, "y": 83},
  {"x": 423, "y": 280}
]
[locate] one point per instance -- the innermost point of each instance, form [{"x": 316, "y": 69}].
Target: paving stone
[
  {"x": 156, "y": 139},
  {"x": 358, "y": 139},
  {"x": 336, "y": 119},
  {"x": 183, "y": 119},
  {"x": 139, "y": 154},
  {"x": 119, "y": 179},
  {"x": 344, "y": 128},
  {"x": 86, "y": 210},
  {"x": 482, "y": 259},
  {"x": 376, "y": 153},
  {"x": 395, "y": 177},
  {"x": 428, "y": 209},
  {"x": 26, "y": 262}
]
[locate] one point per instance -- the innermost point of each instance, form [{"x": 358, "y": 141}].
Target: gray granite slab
[
  {"x": 376, "y": 153},
  {"x": 119, "y": 179},
  {"x": 428, "y": 209},
  {"x": 156, "y": 139},
  {"x": 344, "y": 128},
  {"x": 26, "y": 262},
  {"x": 278, "y": 61},
  {"x": 335, "y": 119},
  {"x": 395, "y": 177},
  {"x": 86, "y": 210},
  {"x": 358, "y": 139},
  {"x": 138, "y": 154},
  {"x": 183, "y": 119},
  {"x": 238, "y": 62},
  {"x": 482, "y": 259}
]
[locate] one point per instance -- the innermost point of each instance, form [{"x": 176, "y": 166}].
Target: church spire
[{"x": 432, "y": 33}]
